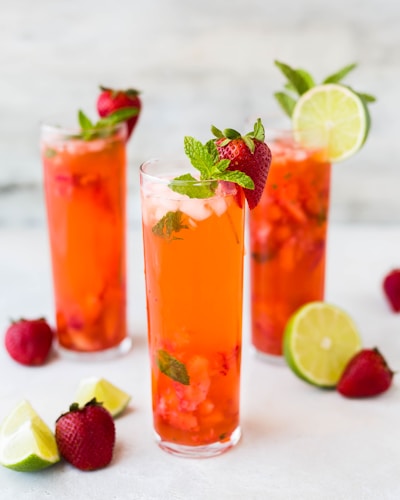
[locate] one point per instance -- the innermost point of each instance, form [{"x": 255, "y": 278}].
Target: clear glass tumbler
[
  {"x": 85, "y": 193},
  {"x": 288, "y": 232},
  {"x": 193, "y": 253}
]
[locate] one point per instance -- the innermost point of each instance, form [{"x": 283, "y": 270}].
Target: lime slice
[
  {"x": 114, "y": 399},
  {"x": 331, "y": 116},
  {"x": 319, "y": 341},
  {"x": 26, "y": 443}
]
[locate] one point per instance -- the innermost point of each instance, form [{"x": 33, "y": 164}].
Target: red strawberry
[
  {"x": 366, "y": 374},
  {"x": 391, "y": 287},
  {"x": 86, "y": 436},
  {"x": 29, "y": 341},
  {"x": 111, "y": 100},
  {"x": 249, "y": 154}
]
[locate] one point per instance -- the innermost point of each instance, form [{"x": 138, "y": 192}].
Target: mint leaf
[
  {"x": 295, "y": 77},
  {"x": 221, "y": 166},
  {"x": 192, "y": 188},
  {"x": 50, "y": 153},
  {"x": 286, "y": 102},
  {"x": 199, "y": 156},
  {"x": 84, "y": 121},
  {"x": 172, "y": 368},
  {"x": 105, "y": 126},
  {"x": 117, "y": 116},
  {"x": 306, "y": 76},
  {"x": 238, "y": 177},
  {"x": 367, "y": 98},
  {"x": 339, "y": 75},
  {"x": 171, "y": 222}
]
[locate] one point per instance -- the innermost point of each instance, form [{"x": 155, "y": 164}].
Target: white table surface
[{"x": 298, "y": 442}]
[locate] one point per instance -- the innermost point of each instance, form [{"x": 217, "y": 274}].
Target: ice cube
[
  {"x": 218, "y": 205},
  {"x": 196, "y": 209}
]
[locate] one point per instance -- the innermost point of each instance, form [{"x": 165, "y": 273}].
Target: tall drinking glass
[
  {"x": 193, "y": 254},
  {"x": 288, "y": 231},
  {"x": 85, "y": 192}
]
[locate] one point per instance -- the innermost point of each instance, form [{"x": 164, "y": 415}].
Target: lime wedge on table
[
  {"x": 337, "y": 115},
  {"x": 114, "y": 399},
  {"x": 26, "y": 442},
  {"x": 319, "y": 341}
]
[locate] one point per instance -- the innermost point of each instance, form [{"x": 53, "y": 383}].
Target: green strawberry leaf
[
  {"x": 249, "y": 143},
  {"x": 170, "y": 223},
  {"x": 231, "y": 134},
  {"x": 258, "y": 131},
  {"x": 172, "y": 368}
]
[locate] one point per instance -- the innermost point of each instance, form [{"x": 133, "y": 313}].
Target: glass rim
[
  {"x": 176, "y": 163},
  {"x": 50, "y": 125}
]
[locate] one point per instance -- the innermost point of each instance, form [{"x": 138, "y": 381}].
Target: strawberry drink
[
  {"x": 288, "y": 232},
  {"x": 84, "y": 181},
  {"x": 193, "y": 231}
]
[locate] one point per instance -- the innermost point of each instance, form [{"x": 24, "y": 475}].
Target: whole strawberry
[
  {"x": 86, "y": 436},
  {"x": 249, "y": 154},
  {"x": 367, "y": 374},
  {"x": 391, "y": 287},
  {"x": 111, "y": 100},
  {"x": 28, "y": 341}
]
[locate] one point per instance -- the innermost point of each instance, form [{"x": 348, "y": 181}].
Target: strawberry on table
[
  {"x": 367, "y": 374},
  {"x": 111, "y": 100},
  {"x": 28, "y": 341},
  {"x": 86, "y": 436},
  {"x": 248, "y": 154}
]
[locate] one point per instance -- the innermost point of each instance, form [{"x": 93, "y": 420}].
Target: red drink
[
  {"x": 288, "y": 240},
  {"x": 85, "y": 182},
  {"x": 193, "y": 251}
]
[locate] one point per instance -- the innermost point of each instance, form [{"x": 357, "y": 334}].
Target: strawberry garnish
[
  {"x": 111, "y": 100},
  {"x": 29, "y": 341},
  {"x": 248, "y": 154},
  {"x": 391, "y": 288},
  {"x": 367, "y": 374},
  {"x": 86, "y": 436}
]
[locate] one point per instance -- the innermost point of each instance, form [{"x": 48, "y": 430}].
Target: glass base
[
  {"x": 205, "y": 451},
  {"x": 275, "y": 359},
  {"x": 111, "y": 353}
]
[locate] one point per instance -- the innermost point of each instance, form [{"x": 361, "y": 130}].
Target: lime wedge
[
  {"x": 114, "y": 399},
  {"x": 319, "y": 340},
  {"x": 26, "y": 443},
  {"x": 334, "y": 117}
]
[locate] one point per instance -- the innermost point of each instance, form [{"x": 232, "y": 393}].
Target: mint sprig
[
  {"x": 300, "y": 81},
  {"x": 205, "y": 159},
  {"x": 103, "y": 127},
  {"x": 172, "y": 367},
  {"x": 170, "y": 223}
]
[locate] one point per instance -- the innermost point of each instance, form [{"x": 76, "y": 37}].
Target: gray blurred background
[{"x": 197, "y": 64}]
